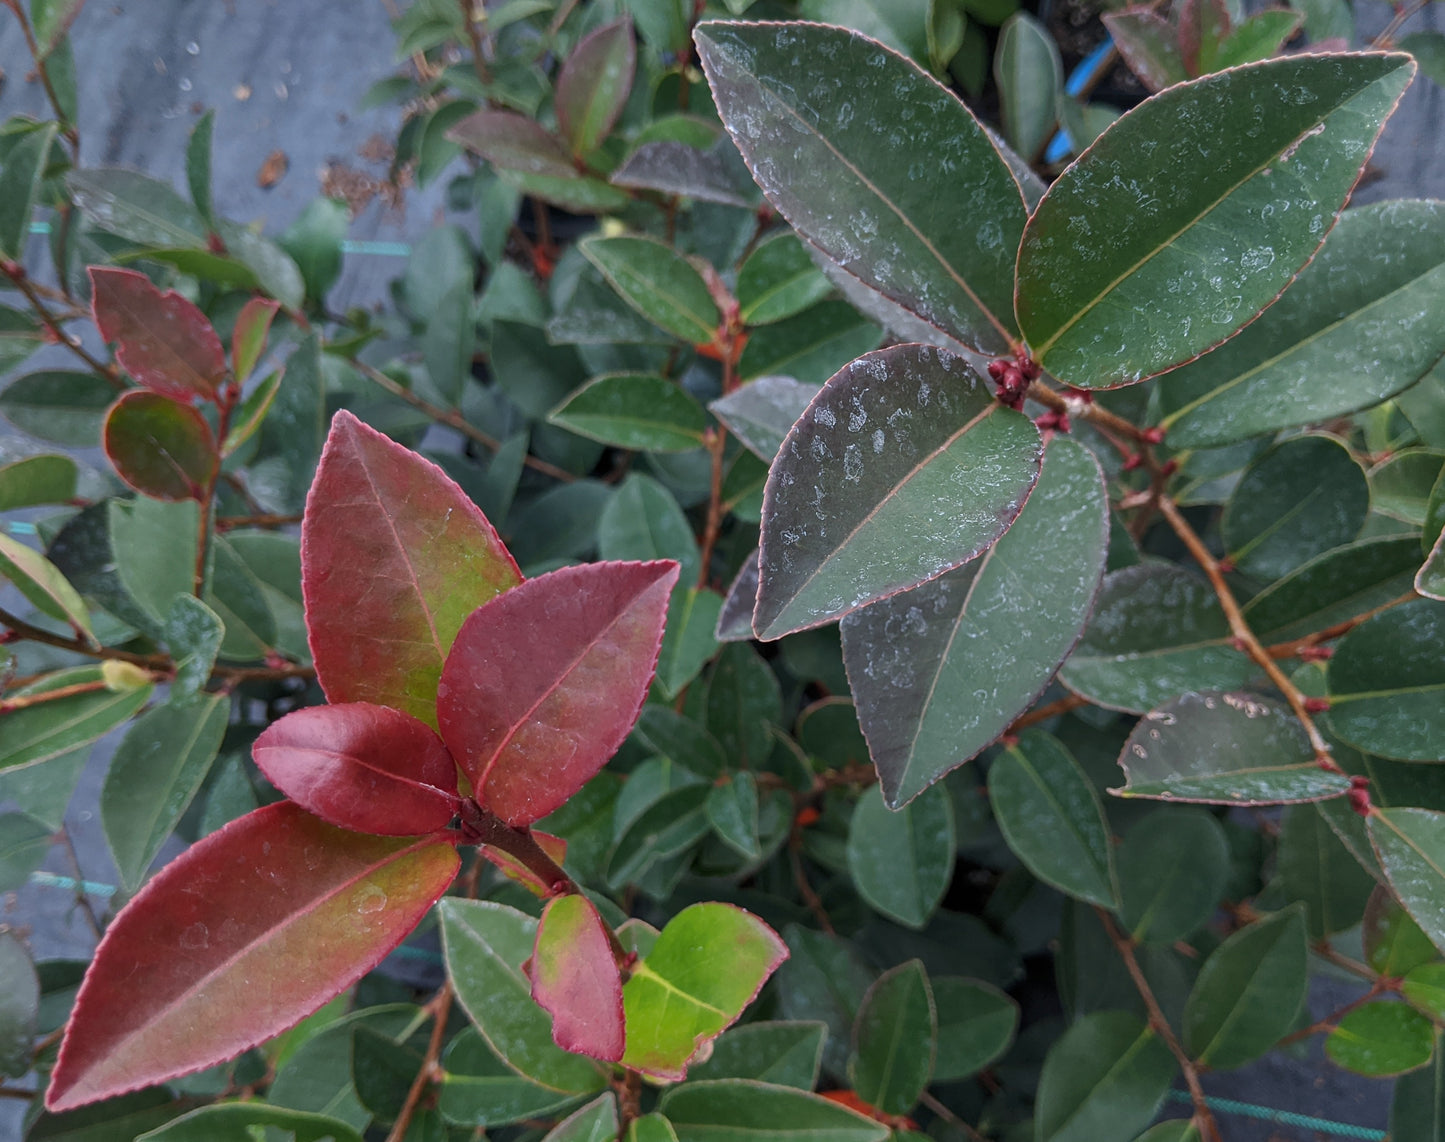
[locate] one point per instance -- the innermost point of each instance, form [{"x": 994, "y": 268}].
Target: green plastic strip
[{"x": 1283, "y": 1117}]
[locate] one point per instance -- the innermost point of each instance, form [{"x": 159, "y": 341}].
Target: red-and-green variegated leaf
[
  {"x": 594, "y": 83},
  {"x": 363, "y": 767},
  {"x": 394, "y": 557},
  {"x": 575, "y": 979},
  {"x": 245, "y": 933},
  {"x": 161, "y": 339},
  {"x": 544, "y": 682},
  {"x": 161, "y": 447},
  {"x": 248, "y": 339},
  {"x": 510, "y": 866}
]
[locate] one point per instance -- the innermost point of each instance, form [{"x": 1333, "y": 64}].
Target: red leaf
[
  {"x": 575, "y": 979},
  {"x": 237, "y": 939},
  {"x": 161, "y": 339},
  {"x": 363, "y": 767},
  {"x": 545, "y": 681},
  {"x": 394, "y": 557},
  {"x": 248, "y": 338},
  {"x": 160, "y": 447}
]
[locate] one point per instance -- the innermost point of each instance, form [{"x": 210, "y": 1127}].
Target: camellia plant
[{"x": 790, "y": 627}]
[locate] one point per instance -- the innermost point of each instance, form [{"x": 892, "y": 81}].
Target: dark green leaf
[
  {"x": 732, "y": 811},
  {"x": 761, "y": 412},
  {"x": 894, "y": 1040},
  {"x": 1051, "y": 817},
  {"x": 1400, "y": 487},
  {"x": 193, "y": 636},
  {"x": 810, "y": 346},
  {"x": 643, "y": 521},
  {"x": 661, "y": 285},
  {"x": 63, "y": 408},
  {"x": 198, "y": 166},
  {"x": 1381, "y": 1039},
  {"x": 1170, "y": 233},
  {"x": 1417, "y": 1113},
  {"x": 140, "y": 209},
  {"x": 785, "y": 1054},
  {"x": 1105, "y": 1078},
  {"x": 1394, "y": 944},
  {"x": 634, "y": 410},
  {"x": 669, "y": 734},
  {"x": 449, "y": 341},
  {"x": 1363, "y": 322},
  {"x": 537, "y": 376},
  {"x": 777, "y": 281},
  {"x": 744, "y": 702},
  {"x": 976, "y": 1024},
  {"x": 819, "y": 115},
  {"x": 478, "y": 1089},
  {"x": 761, "y": 1112},
  {"x": 49, "y": 730},
  {"x": 902, "y": 860},
  {"x": 1424, "y": 986},
  {"x": 823, "y": 979},
  {"x": 1315, "y": 867},
  {"x": 689, "y": 639},
  {"x": 242, "y": 1121},
  {"x": 1249, "y": 992},
  {"x": 1332, "y": 587},
  {"x": 1410, "y": 844},
  {"x": 20, "y": 180},
  {"x": 1428, "y": 48},
  {"x": 595, "y": 1122},
  {"x": 1386, "y": 681},
  {"x": 19, "y": 1006},
  {"x": 940, "y": 672},
  {"x": 1172, "y": 870},
  {"x": 1030, "y": 76},
  {"x": 314, "y": 242},
  {"x": 24, "y": 842}
]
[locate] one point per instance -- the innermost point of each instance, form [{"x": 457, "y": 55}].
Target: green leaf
[
  {"x": 449, "y": 341},
  {"x": 732, "y": 811},
  {"x": 1410, "y": 844},
  {"x": 485, "y": 945},
  {"x": 1259, "y": 37},
  {"x": 37, "y": 480},
  {"x": 46, "y": 731},
  {"x": 1424, "y": 986},
  {"x": 478, "y": 1089},
  {"x": 1104, "y": 1078},
  {"x": 314, "y": 243},
  {"x": 1316, "y": 868},
  {"x": 671, "y": 735},
  {"x": 1430, "y": 579},
  {"x": 237, "y": 595},
  {"x": 1417, "y": 1113},
  {"x": 536, "y": 375},
  {"x": 160, "y": 447},
  {"x": 595, "y": 1122},
  {"x": 898, "y": 24},
  {"x": 20, "y": 336},
  {"x": 761, "y": 412},
  {"x": 1362, "y": 322},
  {"x": 1249, "y": 992},
  {"x": 785, "y": 1054},
  {"x": 140, "y": 209},
  {"x": 593, "y": 85},
  {"x": 778, "y": 280},
  {"x": 198, "y": 166},
  {"x": 58, "y": 406},
  {"x": 634, "y": 410},
  {"x": 1156, "y": 631},
  {"x": 824, "y": 979},
  {"x": 816, "y": 111},
  {"x": 1030, "y": 75},
  {"x": 688, "y": 641},
  {"x": 1051, "y": 817},
  {"x": 1394, "y": 944},
  {"x": 154, "y": 545},
  {"x": 1338, "y": 585},
  {"x": 643, "y": 521},
  {"x": 41, "y": 582},
  {"x": 157, "y": 770},
  {"x": 661, "y": 285},
  {"x": 1171, "y": 232},
  {"x": 1428, "y": 48},
  {"x": 24, "y": 841},
  {"x": 709, "y": 963},
  {"x": 20, "y": 179},
  {"x": 1224, "y": 749},
  {"x": 729, "y": 1110},
  {"x": 744, "y": 703},
  {"x": 939, "y": 672},
  {"x": 19, "y": 1007},
  {"x": 1386, "y": 679},
  {"x": 901, "y": 860},
  {"x": 1172, "y": 870},
  {"x": 241, "y": 1121},
  {"x": 864, "y": 503},
  {"x": 1149, "y": 44},
  {"x": 894, "y": 1040},
  {"x": 1381, "y": 1039},
  {"x": 650, "y": 1128},
  {"x": 1400, "y": 487},
  {"x": 976, "y": 1025},
  {"x": 810, "y": 346},
  {"x": 1297, "y": 501}
]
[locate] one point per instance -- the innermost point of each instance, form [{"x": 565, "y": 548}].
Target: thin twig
[
  {"x": 1331, "y": 1021},
  {"x": 1329, "y": 955},
  {"x": 21, "y": 280},
  {"x": 23, "y": 631},
  {"x": 1403, "y": 12},
  {"x": 474, "y": 33},
  {"x": 928, "y": 1099},
  {"x": 72, "y": 136},
  {"x": 1245, "y": 637},
  {"x": 1044, "y": 713},
  {"x": 439, "y": 1008},
  {"x": 1095, "y": 414},
  {"x": 265, "y": 519},
  {"x": 716, "y": 441},
  {"x": 453, "y": 419},
  {"x": 805, "y": 889},
  {"x": 1292, "y": 648},
  {"x": 21, "y": 701},
  {"x": 1157, "y": 1020}
]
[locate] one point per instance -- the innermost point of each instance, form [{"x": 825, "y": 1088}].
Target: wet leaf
[
  {"x": 160, "y": 447},
  {"x": 1386, "y": 680},
  {"x": 161, "y": 339},
  {"x": 1105, "y": 1077},
  {"x": 276, "y": 896},
  {"x": 531, "y": 721},
  {"x": 894, "y": 1040},
  {"x": 575, "y": 979},
  {"x": 634, "y": 410},
  {"x": 902, "y": 860},
  {"x": 593, "y": 85},
  {"x": 1171, "y": 232},
  {"x": 1381, "y": 1039},
  {"x": 938, "y": 673},
  {"x": 396, "y": 556}
]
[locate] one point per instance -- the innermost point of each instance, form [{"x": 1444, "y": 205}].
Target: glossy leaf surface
[
  {"x": 531, "y": 720},
  {"x": 1362, "y": 322},
  {"x": 593, "y": 85},
  {"x": 1387, "y": 681},
  {"x": 1105, "y": 1077},
  {"x": 160, "y": 447},
  {"x": 893, "y": 1040},
  {"x": 762, "y": 1112},
  {"x": 634, "y": 410},
  {"x": 1224, "y": 749},
  {"x": 709, "y": 963},
  {"x": 1381, "y": 1039},
  {"x": 1249, "y": 992},
  {"x": 362, "y": 767},
  {"x": 660, "y": 284},
  {"x": 939, "y": 672},
  {"x": 1157, "y": 630},
  {"x": 903, "y": 467},
  {"x": 485, "y": 945},
  {"x": 394, "y": 557},
  {"x": 835, "y": 128},
  {"x": 575, "y": 979},
  {"x": 161, "y": 339},
  {"x": 1297, "y": 501},
  {"x": 1410, "y": 844},
  {"x": 1051, "y": 817},
  {"x": 276, "y": 896},
  {"x": 1190, "y": 214},
  {"x": 902, "y": 860}
]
